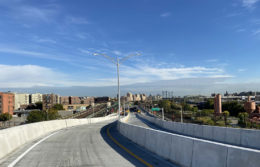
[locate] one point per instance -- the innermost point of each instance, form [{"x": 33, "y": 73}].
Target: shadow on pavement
[{"x": 147, "y": 156}]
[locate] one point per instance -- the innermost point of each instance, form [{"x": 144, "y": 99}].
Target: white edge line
[{"x": 29, "y": 149}]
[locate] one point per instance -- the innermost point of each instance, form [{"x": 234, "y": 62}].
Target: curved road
[{"x": 87, "y": 145}]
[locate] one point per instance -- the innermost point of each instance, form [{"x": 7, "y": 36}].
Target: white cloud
[
  {"x": 146, "y": 73},
  {"x": 29, "y": 75},
  {"x": 249, "y": 3},
  {"x": 166, "y": 14},
  {"x": 32, "y": 54}
]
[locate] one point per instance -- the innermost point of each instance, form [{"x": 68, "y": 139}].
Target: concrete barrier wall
[
  {"x": 188, "y": 151},
  {"x": 235, "y": 136},
  {"x": 12, "y": 138}
]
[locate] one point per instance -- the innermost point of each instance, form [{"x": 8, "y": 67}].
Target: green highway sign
[{"x": 156, "y": 109}]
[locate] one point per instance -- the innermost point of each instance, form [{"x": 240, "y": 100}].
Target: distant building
[
  {"x": 49, "y": 100},
  {"x": 75, "y": 107},
  {"x": 250, "y": 106},
  {"x": 101, "y": 99},
  {"x": 218, "y": 104},
  {"x": 6, "y": 103},
  {"x": 129, "y": 97},
  {"x": 21, "y": 99},
  {"x": 34, "y": 98},
  {"x": 137, "y": 97},
  {"x": 87, "y": 100},
  {"x": 64, "y": 100},
  {"x": 143, "y": 97},
  {"x": 74, "y": 100}
]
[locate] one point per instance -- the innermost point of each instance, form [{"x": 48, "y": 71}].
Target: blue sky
[{"x": 51, "y": 43}]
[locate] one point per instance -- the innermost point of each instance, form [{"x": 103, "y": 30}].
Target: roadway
[{"x": 87, "y": 145}]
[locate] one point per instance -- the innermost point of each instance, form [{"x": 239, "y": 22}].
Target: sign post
[{"x": 159, "y": 109}]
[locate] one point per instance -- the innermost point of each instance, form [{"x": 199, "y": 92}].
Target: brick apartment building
[
  {"x": 64, "y": 100},
  {"x": 6, "y": 103},
  {"x": 49, "y": 100}
]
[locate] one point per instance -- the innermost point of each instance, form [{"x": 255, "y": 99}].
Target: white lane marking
[{"x": 29, "y": 149}]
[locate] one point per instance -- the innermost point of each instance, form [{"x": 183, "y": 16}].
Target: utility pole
[
  {"x": 118, "y": 87},
  {"x": 181, "y": 115},
  {"x": 124, "y": 108},
  {"x": 117, "y": 62},
  {"x": 162, "y": 114}
]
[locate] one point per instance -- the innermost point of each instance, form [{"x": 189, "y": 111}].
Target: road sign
[{"x": 156, "y": 109}]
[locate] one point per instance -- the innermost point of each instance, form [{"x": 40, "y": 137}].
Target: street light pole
[
  {"x": 118, "y": 87},
  {"x": 117, "y": 62}
]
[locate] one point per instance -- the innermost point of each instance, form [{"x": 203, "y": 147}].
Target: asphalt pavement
[{"x": 87, "y": 145}]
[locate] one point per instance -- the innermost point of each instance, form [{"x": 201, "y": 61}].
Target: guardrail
[
  {"x": 188, "y": 151},
  {"x": 12, "y": 138},
  {"x": 236, "y": 136}
]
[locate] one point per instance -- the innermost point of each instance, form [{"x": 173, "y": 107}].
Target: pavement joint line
[
  {"x": 125, "y": 149},
  {"x": 29, "y": 149}
]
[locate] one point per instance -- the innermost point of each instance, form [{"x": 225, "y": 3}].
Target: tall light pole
[{"x": 117, "y": 62}]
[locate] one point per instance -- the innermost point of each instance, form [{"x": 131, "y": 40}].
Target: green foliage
[
  {"x": 37, "y": 105},
  {"x": 174, "y": 106},
  {"x": 226, "y": 115},
  {"x": 5, "y": 117},
  {"x": 186, "y": 107},
  {"x": 209, "y": 104},
  {"x": 53, "y": 114},
  {"x": 195, "y": 109},
  {"x": 233, "y": 107},
  {"x": 206, "y": 112},
  {"x": 243, "y": 116},
  {"x": 36, "y": 116},
  {"x": 58, "y": 107},
  {"x": 204, "y": 120},
  {"x": 165, "y": 104}
]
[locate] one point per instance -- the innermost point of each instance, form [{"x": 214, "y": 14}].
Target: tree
[
  {"x": 5, "y": 117},
  {"x": 36, "y": 116},
  {"x": 206, "y": 112},
  {"x": 166, "y": 105},
  {"x": 243, "y": 116},
  {"x": 186, "y": 107},
  {"x": 195, "y": 109},
  {"x": 37, "y": 105},
  {"x": 225, "y": 114},
  {"x": 233, "y": 107},
  {"x": 53, "y": 114},
  {"x": 209, "y": 104},
  {"x": 58, "y": 107}
]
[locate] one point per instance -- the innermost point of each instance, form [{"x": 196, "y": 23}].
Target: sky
[{"x": 185, "y": 46}]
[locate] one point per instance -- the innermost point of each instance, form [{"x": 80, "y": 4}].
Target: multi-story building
[
  {"x": 74, "y": 100},
  {"x": 88, "y": 100},
  {"x": 137, "y": 97},
  {"x": 34, "y": 98},
  {"x": 143, "y": 97},
  {"x": 6, "y": 102},
  {"x": 64, "y": 100},
  {"x": 21, "y": 99},
  {"x": 49, "y": 100},
  {"x": 129, "y": 97}
]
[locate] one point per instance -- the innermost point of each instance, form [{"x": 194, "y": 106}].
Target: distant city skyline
[
  {"x": 188, "y": 47},
  {"x": 180, "y": 87}
]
